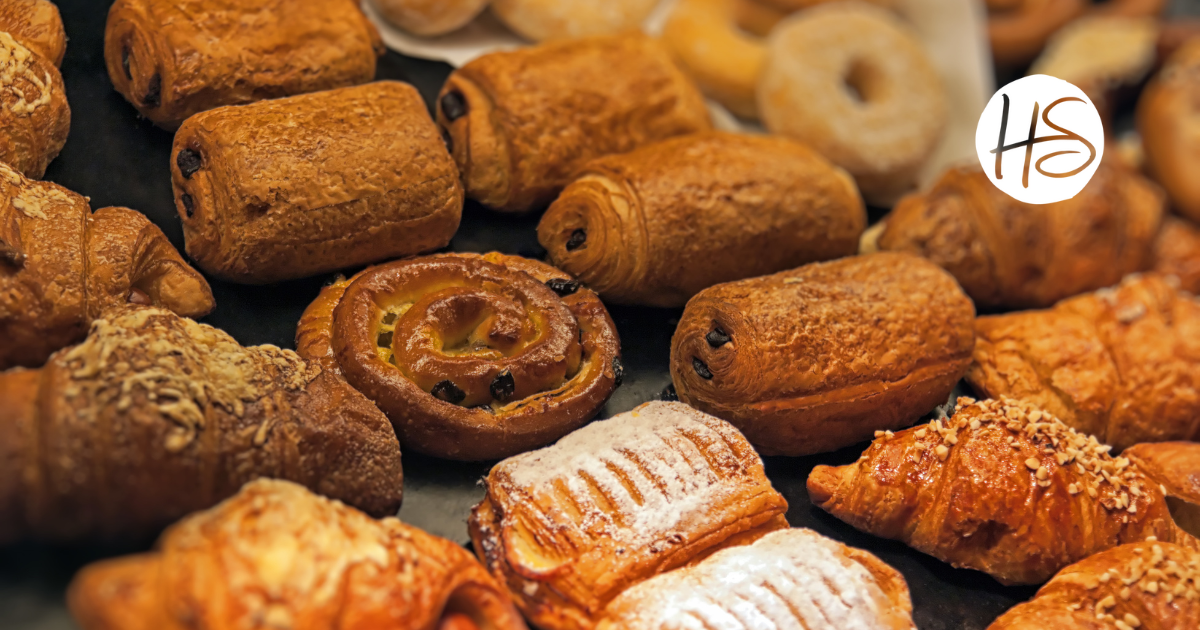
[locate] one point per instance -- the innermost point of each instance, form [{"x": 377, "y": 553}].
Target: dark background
[{"x": 118, "y": 159}]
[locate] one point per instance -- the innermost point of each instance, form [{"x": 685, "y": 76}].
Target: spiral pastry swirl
[{"x": 471, "y": 356}]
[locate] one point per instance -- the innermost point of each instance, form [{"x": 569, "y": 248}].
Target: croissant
[
  {"x": 174, "y": 58},
  {"x": 1122, "y": 363},
  {"x": 1001, "y": 487},
  {"x": 37, "y": 25},
  {"x": 792, "y": 578},
  {"x": 309, "y": 184},
  {"x": 34, "y": 114},
  {"x": 1175, "y": 466},
  {"x": 155, "y": 416},
  {"x": 61, "y": 266},
  {"x": 659, "y": 224},
  {"x": 1010, "y": 254},
  {"x": 277, "y": 556},
  {"x": 1146, "y": 585},
  {"x": 1177, "y": 253},
  {"x": 818, "y": 358},
  {"x": 521, "y": 123},
  {"x": 1169, "y": 128},
  {"x": 471, "y": 356},
  {"x": 569, "y": 527}
]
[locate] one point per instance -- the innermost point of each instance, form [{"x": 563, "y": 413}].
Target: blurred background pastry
[{"x": 429, "y": 18}]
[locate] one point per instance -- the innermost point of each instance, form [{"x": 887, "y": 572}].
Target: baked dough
[
  {"x": 522, "y": 122},
  {"x": 37, "y": 25},
  {"x": 1170, "y": 128},
  {"x": 278, "y": 556},
  {"x": 1177, "y": 253},
  {"x": 541, "y": 20},
  {"x": 569, "y": 527},
  {"x": 659, "y": 224},
  {"x": 429, "y": 18},
  {"x": 1176, "y": 466},
  {"x": 34, "y": 114},
  {"x": 818, "y": 358},
  {"x": 173, "y": 58},
  {"x": 314, "y": 183}
]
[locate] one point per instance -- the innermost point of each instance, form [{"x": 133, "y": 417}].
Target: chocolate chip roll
[
  {"x": 303, "y": 185},
  {"x": 471, "y": 356},
  {"x": 174, "y": 58},
  {"x": 821, "y": 357},
  {"x": 659, "y": 224},
  {"x": 37, "y": 25},
  {"x": 34, "y": 115},
  {"x": 522, "y": 122}
]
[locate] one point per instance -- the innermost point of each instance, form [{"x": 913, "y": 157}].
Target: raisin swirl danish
[{"x": 471, "y": 356}]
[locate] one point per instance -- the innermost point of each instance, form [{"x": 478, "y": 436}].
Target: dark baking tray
[{"x": 118, "y": 159}]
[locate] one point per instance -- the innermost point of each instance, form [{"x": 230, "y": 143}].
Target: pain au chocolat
[
  {"x": 471, "y": 356},
  {"x": 821, "y": 357},
  {"x": 569, "y": 527}
]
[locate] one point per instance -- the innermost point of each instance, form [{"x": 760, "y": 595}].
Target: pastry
[
  {"x": 1148, "y": 585},
  {"x": 854, "y": 83},
  {"x": 541, "y": 20},
  {"x": 792, "y": 578},
  {"x": 1170, "y": 128},
  {"x": 1001, "y": 487},
  {"x": 569, "y": 527},
  {"x": 1009, "y": 254},
  {"x": 814, "y": 359},
  {"x": 37, "y": 25},
  {"x": 278, "y": 556},
  {"x": 309, "y": 184},
  {"x": 1017, "y": 29},
  {"x": 173, "y": 58},
  {"x": 1122, "y": 364},
  {"x": 471, "y": 356},
  {"x": 154, "y": 416},
  {"x": 1176, "y": 466},
  {"x": 1177, "y": 253},
  {"x": 521, "y": 123},
  {"x": 34, "y": 115},
  {"x": 659, "y": 224},
  {"x": 429, "y": 18},
  {"x": 62, "y": 266}
]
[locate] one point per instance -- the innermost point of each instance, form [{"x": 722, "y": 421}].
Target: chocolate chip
[
  {"x": 384, "y": 340},
  {"x": 578, "y": 238},
  {"x": 701, "y": 369},
  {"x": 487, "y": 408},
  {"x": 449, "y": 140},
  {"x": 717, "y": 337},
  {"x": 189, "y": 205},
  {"x": 448, "y": 391},
  {"x": 11, "y": 256},
  {"x": 562, "y": 287},
  {"x": 669, "y": 394},
  {"x": 503, "y": 386},
  {"x": 618, "y": 371},
  {"x": 189, "y": 162},
  {"x": 125, "y": 62},
  {"x": 153, "y": 97},
  {"x": 454, "y": 106},
  {"x": 389, "y": 318}
]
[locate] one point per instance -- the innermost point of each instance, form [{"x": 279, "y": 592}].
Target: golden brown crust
[
  {"x": 818, "y": 358},
  {"x": 37, "y": 25},
  {"x": 154, "y": 416},
  {"x": 522, "y": 122},
  {"x": 1122, "y": 363},
  {"x": 1017, "y": 30},
  {"x": 471, "y": 356},
  {"x": 1170, "y": 130},
  {"x": 1147, "y": 585},
  {"x": 309, "y": 184},
  {"x": 543, "y": 20},
  {"x": 62, "y": 266},
  {"x": 667, "y": 220},
  {"x": 276, "y": 555},
  {"x": 1177, "y": 253},
  {"x": 1000, "y": 487},
  {"x": 428, "y": 18},
  {"x": 1014, "y": 255},
  {"x": 174, "y": 58},
  {"x": 568, "y": 527},
  {"x": 1175, "y": 465},
  {"x": 34, "y": 114}
]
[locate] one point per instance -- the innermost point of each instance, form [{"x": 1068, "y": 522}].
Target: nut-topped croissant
[
  {"x": 62, "y": 266},
  {"x": 1000, "y": 487},
  {"x": 37, "y": 25},
  {"x": 1149, "y": 585},
  {"x": 569, "y": 527},
  {"x": 34, "y": 114},
  {"x": 1122, "y": 363},
  {"x": 471, "y": 356},
  {"x": 278, "y": 556},
  {"x": 154, "y": 416}
]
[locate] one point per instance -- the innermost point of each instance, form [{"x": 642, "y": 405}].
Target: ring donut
[
  {"x": 430, "y": 17},
  {"x": 854, "y": 83}
]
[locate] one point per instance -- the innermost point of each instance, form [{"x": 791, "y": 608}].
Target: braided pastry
[
  {"x": 34, "y": 114},
  {"x": 471, "y": 356},
  {"x": 37, "y": 25}
]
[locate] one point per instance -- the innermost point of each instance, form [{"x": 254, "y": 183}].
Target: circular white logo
[{"x": 1040, "y": 139}]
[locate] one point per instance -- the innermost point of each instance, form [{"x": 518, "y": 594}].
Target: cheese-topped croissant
[
  {"x": 570, "y": 526},
  {"x": 1000, "y": 487}
]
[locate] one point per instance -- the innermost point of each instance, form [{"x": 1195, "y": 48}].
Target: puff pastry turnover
[
  {"x": 1000, "y": 487},
  {"x": 569, "y": 527},
  {"x": 278, "y": 556},
  {"x": 1176, "y": 466}
]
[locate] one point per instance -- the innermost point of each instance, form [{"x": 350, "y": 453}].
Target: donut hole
[{"x": 862, "y": 81}]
